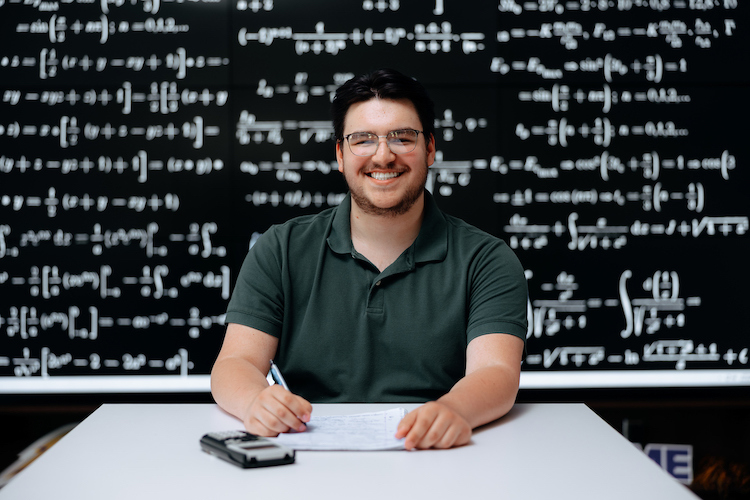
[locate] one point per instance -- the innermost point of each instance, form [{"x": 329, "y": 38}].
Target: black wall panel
[{"x": 145, "y": 144}]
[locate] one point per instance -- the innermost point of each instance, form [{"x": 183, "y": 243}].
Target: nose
[{"x": 383, "y": 154}]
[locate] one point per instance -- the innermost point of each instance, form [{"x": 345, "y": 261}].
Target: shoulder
[
  {"x": 479, "y": 249},
  {"x": 290, "y": 240},
  {"x": 464, "y": 234},
  {"x": 302, "y": 227}
]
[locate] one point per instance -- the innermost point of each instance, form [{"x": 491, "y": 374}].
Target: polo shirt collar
[
  {"x": 431, "y": 243},
  {"x": 340, "y": 239}
]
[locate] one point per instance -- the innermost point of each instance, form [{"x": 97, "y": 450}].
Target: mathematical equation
[
  {"x": 653, "y": 68},
  {"x": 650, "y": 197},
  {"x": 571, "y": 34},
  {"x": 250, "y": 129},
  {"x": 69, "y": 132},
  {"x": 105, "y": 6},
  {"x": 302, "y": 91},
  {"x": 51, "y": 63},
  {"x": 598, "y": 6},
  {"x": 296, "y": 198},
  {"x": 602, "y": 132},
  {"x": 162, "y": 97},
  {"x": 662, "y": 308},
  {"x": 48, "y": 282},
  {"x": 48, "y": 363},
  {"x": 197, "y": 241},
  {"x": 52, "y": 202},
  {"x": 141, "y": 165},
  {"x": 58, "y": 29},
  {"x": 661, "y": 312},
  {"x": 651, "y": 165},
  {"x": 431, "y": 38},
  {"x": 674, "y": 352},
  {"x": 26, "y": 322},
  {"x": 599, "y": 234},
  {"x": 560, "y": 96}
]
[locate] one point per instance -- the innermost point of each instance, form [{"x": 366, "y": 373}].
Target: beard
[{"x": 411, "y": 195}]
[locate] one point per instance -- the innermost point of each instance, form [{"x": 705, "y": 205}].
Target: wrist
[
  {"x": 249, "y": 398},
  {"x": 449, "y": 402}
]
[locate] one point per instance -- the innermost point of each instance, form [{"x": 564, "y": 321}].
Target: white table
[{"x": 538, "y": 451}]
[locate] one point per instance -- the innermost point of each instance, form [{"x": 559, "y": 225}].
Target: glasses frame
[{"x": 346, "y": 138}]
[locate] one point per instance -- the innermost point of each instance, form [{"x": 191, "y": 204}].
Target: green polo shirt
[{"x": 349, "y": 333}]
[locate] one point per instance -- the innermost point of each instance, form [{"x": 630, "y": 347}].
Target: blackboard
[{"x": 145, "y": 144}]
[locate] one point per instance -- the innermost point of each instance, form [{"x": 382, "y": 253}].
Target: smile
[{"x": 383, "y": 176}]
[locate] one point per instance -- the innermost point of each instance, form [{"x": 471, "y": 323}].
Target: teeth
[{"x": 381, "y": 176}]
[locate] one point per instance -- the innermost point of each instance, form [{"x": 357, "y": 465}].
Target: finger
[
  {"x": 435, "y": 432},
  {"x": 269, "y": 413},
  {"x": 464, "y": 437},
  {"x": 279, "y": 419},
  {"x": 288, "y": 409},
  {"x": 425, "y": 416},
  {"x": 254, "y": 425},
  {"x": 405, "y": 425},
  {"x": 455, "y": 435},
  {"x": 299, "y": 406}
]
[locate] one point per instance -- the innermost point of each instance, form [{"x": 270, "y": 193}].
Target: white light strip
[
  {"x": 105, "y": 384},
  {"x": 635, "y": 379},
  {"x": 529, "y": 380}
]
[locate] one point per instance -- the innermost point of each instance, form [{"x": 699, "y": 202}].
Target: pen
[{"x": 277, "y": 377}]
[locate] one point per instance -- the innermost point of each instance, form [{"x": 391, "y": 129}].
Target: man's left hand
[{"x": 433, "y": 425}]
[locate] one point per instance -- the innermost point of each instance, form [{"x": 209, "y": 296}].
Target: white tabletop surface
[{"x": 537, "y": 451}]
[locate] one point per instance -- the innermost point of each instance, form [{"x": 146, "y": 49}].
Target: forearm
[
  {"x": 483, "y": 395},
  {"x": 235, "y": 383}
]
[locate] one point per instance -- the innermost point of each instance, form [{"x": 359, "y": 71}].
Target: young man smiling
[{"x": 382, "y": 299}]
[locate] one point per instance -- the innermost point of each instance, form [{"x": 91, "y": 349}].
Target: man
[{"x": 381, "y": 299}]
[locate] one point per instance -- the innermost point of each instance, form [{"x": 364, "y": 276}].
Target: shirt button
[{"x": 378, "y": 283}]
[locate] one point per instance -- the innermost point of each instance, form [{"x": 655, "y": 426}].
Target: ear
[
  {"x": 431, "y": 150},
  {"x": 340, "y": 156}
]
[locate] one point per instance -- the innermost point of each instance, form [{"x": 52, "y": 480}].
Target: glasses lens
[
  {"x": 366, "y": 144},
  {"x": 402, "y": 141},
  {"x": 363, "y": 144}
]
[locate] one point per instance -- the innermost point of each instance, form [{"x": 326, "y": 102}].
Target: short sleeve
[
  {"x": 498, "y": 295},
  {"x": 257, "y": 299}
]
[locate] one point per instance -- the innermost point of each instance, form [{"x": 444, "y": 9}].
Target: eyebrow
[{"x": 373, "y": 133}]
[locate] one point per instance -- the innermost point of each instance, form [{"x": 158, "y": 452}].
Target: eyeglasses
[{"x": 398, "y": 141}]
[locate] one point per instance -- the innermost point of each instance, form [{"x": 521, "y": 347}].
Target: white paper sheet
[{"x": 362, "y": 432}]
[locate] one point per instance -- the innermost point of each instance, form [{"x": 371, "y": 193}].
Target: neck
[{"x": 382, "y": 238}]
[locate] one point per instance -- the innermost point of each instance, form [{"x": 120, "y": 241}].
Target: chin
[{"x": 383, "y": 208}]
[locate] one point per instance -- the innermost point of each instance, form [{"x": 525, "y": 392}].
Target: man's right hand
[{"x": 275, "y": 410}]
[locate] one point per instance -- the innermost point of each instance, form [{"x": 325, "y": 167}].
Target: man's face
[{"x": 385, "y": 183}]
